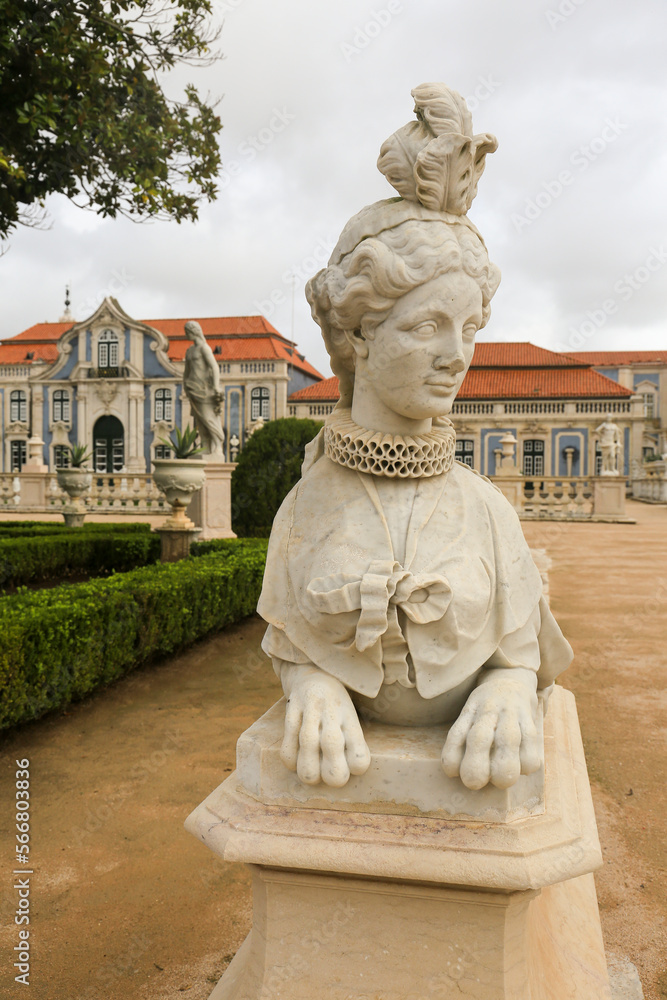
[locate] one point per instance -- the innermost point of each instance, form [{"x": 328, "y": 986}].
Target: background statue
[
  {"x": 399, "y": 585},
  {"x": 201, "y": 382},
  {"x": 610, "y": 446}
]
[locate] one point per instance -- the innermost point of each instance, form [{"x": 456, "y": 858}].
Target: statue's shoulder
[
  {"x": 474, "y": 484},
  {"x": 323, "y": 481},
  {"x": 326, "y": 480},
  {"x": 482, "y": 482}
]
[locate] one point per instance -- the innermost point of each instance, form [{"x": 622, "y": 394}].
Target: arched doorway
[{"x": 108, "y": 444}]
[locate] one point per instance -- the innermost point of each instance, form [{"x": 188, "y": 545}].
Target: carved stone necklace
[{"x": 392, "y": 455}]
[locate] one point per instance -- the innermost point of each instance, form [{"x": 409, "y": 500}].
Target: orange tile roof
[
  {"x": 245, "y": 338},
  {"x": 538, "y": 383},
  {"x": 41, "y": 332},
  {"x": 570, "y": 381},
  {"x": 15, "y": 354},
  {"x": 217, "y": 326},
  {"x": 520, "y": 354},
  {"x": 253, "y": 348},
  {"x": 326, "y": 390},
  {"x": 617, "y": 359}
]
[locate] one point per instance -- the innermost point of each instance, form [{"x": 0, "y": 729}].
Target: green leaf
[{"x": 84, "y": 111}]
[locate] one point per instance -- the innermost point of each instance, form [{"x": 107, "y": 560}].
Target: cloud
[{"x": 311, "y": 91}]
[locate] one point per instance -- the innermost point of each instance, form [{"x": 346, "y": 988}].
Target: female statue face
[{"x": 410, "y": 368}]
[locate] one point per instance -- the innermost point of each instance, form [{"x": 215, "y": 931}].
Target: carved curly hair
[{"x": 359, "y": 292}]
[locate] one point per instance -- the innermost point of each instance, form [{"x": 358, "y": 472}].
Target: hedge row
[
  {"x": 33, "y": 529},
  {"x": 59, "y": 645},
  {"x": 223, "y": 545},
  {"x": 45, "y": 557}
]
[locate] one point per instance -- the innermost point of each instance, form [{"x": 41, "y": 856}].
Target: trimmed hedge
[
  {"x": 33, "y": 529},
  {"x": 44, "y": 557},
  {"x": 119, "y": 527},
  {"x": 58, "y": 645},
  {"x": 267, "y": 469},
  {"x": 226, "y": 545}
]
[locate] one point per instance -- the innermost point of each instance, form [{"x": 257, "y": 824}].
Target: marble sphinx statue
[{"x": 399, "y": 587}]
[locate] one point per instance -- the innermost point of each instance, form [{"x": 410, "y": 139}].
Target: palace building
[
  {"x": 115, "y": 384},
  {"x": 552, "y": 403},
  {"x": 645, "y": 373}
]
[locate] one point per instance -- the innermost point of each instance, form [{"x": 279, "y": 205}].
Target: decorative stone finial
[{"x": 67, "y": 315}]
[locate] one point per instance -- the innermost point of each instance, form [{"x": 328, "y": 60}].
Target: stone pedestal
[
  {"x": 211, "y": 507},
  {"x": 33, "y": 485},
  {"x": 609, "y": 496},
  {"x": 74, "y": 516},
  {"x": 175, "y": 542},
  {"x": 436, "y": 891}
]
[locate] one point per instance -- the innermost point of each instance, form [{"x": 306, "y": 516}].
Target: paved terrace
[{"x": 126, "y": 905}]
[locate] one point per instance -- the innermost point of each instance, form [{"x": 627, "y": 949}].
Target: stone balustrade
[
  {"x": 10, "y": 491},
  {"x": 651, "y": 482},
  {"x": 558, "y": 498},
  {"x": 546, "y": 498},
  {"x": 116, "y": 493},
  {"x": 549, "y": 497}
]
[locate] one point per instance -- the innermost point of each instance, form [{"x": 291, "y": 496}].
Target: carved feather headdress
[{"x": 436, "y": 160}]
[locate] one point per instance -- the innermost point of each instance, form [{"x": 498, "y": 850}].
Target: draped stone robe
[{"x": 419, "y": 582}]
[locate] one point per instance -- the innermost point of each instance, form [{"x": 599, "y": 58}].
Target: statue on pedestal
[
  {"x": 201, "y": 383},
  {"x": 405, "y": 612},
  {"x": 610, "y": 446},
  {"x": 398, "y": 585}
]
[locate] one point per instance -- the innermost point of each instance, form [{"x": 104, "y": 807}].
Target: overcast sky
[{"x": 572, "y": 205}]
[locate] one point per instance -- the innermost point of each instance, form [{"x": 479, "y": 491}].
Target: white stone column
[
  {"x": 36, "y": 409},
  {"x": 280, "y": 389},
  {"x": 186, "y": 413},
  {"x": 84, "y": 432},
  {"x": 135, "y": 435}
]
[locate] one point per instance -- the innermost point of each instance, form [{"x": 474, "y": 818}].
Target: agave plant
[
  {"x": 78, "y": 455},
  {"x": 183, "y": 442}
]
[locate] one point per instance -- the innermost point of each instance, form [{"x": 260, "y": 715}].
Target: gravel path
[
  {"x": 126, "y": 906},
  {"x": 609, "y": 594}
]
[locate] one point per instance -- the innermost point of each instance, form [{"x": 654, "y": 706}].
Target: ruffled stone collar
[{"x": 392, "y": 455}]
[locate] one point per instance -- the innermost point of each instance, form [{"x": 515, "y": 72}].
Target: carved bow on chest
[{"x": 385, "y": 588}]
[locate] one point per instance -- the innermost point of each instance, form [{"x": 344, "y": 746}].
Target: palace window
[
  {"x": 649, "y": 405},
  {"x": 61, "y": 405},
  {"x": 259, "y": 404},
  {"x": 533, "y": 458},
  {"x": 61, "y": 456},
  {"x": 162, "y": 451},
  {"x": 107, "y": 350},
  {"x": 18, "y": 455},
  {"x": 163, "y": 404},
  {"x": 18, "y": 406},
  {"x": 465, "y": 451}
]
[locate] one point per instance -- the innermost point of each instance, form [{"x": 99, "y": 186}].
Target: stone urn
[
  {"x": 179, "y": 479},
  {"x": 75, "y": 482}
]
